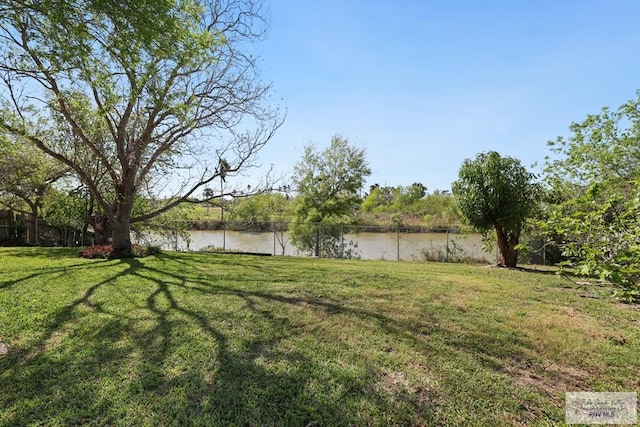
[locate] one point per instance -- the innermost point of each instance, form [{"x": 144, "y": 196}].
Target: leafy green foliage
[
  {"x": 497, "y": 192},
  {"x": 27, "y": 175},
  {"x": 328, "y": 184},
  {"x": 594, "y": 180},
  {"x": 440, "y": 210},
  {"x": 378, "y": 199},
  {"x": 594, "y": 183},
  {"x": 410, "y": 205},
  {"x": 602, "y": 238},
  {"x": 395, "y": 199},
  {"x": 66, "y": 209},
  {"x": 406, "y": 198},
  {"x": 253, "y": 211},
  {"x": 601, "y": 149}
]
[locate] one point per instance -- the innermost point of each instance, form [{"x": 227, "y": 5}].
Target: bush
[
  {"x": 214, "y": 248},
  {"x": 107, "y": 252},
  {"x": 454, "y": 253}
]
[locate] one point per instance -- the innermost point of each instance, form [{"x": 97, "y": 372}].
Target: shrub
[
  {"x": 214, "y": 248},
  {"x": 107, "y": 252},
  {"x": 454, "y": 253}
]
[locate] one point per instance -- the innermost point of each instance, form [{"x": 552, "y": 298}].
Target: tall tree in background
[
  {"x": 328, "y": 184},
  {"x": 166, "y": 83},
  {"x": 497, "y": 192}
]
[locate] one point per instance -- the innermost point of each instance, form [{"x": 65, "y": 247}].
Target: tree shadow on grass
[
  {"x": 45, "y": 253},
  {"x": 43, "y": 272},
  {"x": 167, "y": 355},
  {"x": 74, "y": 374}
]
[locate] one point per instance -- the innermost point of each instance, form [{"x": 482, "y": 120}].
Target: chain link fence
[
  {"x": 324, "y": 240},
  {"x": 274, "y": 238}
]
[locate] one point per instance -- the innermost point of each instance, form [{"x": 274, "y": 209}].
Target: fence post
[
  {"x": 447, "y": 257},
  {"x": 398, "y": 243},
  {"x": 341, "y": 241},
  {"x": 224, "y": 236}
]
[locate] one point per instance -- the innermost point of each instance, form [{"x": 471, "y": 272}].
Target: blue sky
[{"x": 424, "y": 85}]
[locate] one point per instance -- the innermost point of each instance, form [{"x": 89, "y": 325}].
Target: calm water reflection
[{"x": 389, "y": 246}]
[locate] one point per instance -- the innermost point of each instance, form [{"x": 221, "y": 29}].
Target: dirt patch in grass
[
  {"x": 551, "y": 378},
  {"x": 397, "y": 386}
]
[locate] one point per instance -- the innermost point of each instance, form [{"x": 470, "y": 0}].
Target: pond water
[{"x": 388, "y": 246}]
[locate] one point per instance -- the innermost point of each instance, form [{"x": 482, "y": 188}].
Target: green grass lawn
[{"x": 206, "y": 339}]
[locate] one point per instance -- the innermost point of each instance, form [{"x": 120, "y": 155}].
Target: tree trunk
[
  {"x": 507, "y": 243},
  {"x": 316, "y": 249},
  {"x": 32, "y": 229},
  {"x": 32, "y": 223},
  {"x": 88, "y": 220},
  {"x": 120, "y": 220},
  {"x": 101, "y": 229},
  {"x": 121, "y": 237},
  {"x": 83, "y": 233}
]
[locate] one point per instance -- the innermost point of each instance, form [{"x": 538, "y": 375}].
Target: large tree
[
  {"x": 497, "y": 192},
  {"x": 159, "y": 93},
  {"x": 328, "y": 185}
]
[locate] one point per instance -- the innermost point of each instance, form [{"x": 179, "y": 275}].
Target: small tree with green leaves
[
  {"x": 497, "y": 192},
  {"x": 594, "y": 208},
  {"x": 328, "y": 185}
]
